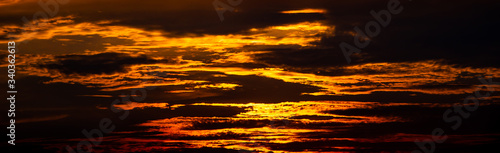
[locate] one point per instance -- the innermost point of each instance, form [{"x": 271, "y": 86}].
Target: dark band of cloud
[{"x": 104, "y": 63}]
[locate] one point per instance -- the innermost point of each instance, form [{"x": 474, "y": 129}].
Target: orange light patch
[
  {"x": 225, "y": 86},
  {"x": 321, "y": 11},
  {"x": 136, "y": 105}
]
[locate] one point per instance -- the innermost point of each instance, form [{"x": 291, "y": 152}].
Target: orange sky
[{"x": 269, "y": 77}]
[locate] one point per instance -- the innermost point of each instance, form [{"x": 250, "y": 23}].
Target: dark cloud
[
  {"x": 421, "y": 32},
  {"x": 104, "y": 63},
  {"x": 59, "y": 45},
  {"x": 302, "y": 57}
]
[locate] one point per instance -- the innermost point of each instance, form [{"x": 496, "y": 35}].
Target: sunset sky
[{"x": 270, "y": 76}]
